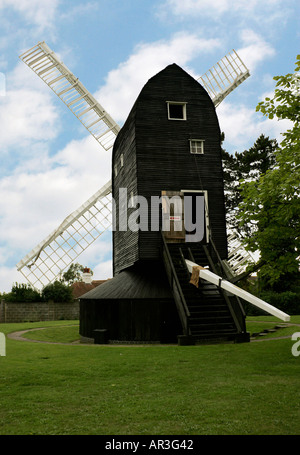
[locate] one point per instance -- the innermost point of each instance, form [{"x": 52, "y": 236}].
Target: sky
[{"x": 50, "y": 164}]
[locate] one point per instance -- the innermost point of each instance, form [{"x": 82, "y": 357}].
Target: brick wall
[{"x": 35, "y": 312}]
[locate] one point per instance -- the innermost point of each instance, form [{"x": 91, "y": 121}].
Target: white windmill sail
[
  {"x": 78, "y": 231},
  {"x": 224, "y": 77},
  {"x": 45, "y": 63},
  {"x": 238, "y": 256}
]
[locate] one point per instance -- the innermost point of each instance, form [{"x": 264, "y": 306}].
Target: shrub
[
  {"x": 288, "y": 301},
  {"x": 22, "y": 293},
  {"x": 58, "y": 292}
]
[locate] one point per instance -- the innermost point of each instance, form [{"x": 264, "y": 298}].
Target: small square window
[
  {"x": 197, "y": 146},
  {"x": 176, "y": 111}
]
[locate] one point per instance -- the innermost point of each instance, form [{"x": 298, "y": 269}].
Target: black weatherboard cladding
[
  {"x": 156, "y": 157},
  {"x": 136, "y": 305}
]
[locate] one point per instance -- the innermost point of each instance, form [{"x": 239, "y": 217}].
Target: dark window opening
[{"x": 177, "y": 111}]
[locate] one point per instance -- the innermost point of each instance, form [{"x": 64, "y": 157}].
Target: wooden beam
[{"x": 233, "y": 289}]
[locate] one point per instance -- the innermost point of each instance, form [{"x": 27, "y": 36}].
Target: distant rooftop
[{"x": 79, "y": 288}]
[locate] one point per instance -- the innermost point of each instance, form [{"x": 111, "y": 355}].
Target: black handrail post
[{"x": 177, "y": 291}]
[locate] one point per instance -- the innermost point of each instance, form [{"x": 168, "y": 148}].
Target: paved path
[
  {"x": 18, "y": 336},
  {"x": 286, "y": 324}
]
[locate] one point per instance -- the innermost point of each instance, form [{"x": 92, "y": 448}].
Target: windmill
[{"x": 46, "y": 262}]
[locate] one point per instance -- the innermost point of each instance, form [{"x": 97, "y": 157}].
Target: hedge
[
  {"x": 288, "y": 301},
  {"x": 57, "y": 292}
]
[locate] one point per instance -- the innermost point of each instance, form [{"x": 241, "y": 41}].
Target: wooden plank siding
[
  {"x": 140, "y": 321},
  {"x": 136, "y": 305},
  {"x": 156, "y": 157}
]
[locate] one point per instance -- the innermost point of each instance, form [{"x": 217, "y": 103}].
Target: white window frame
[
  {"x": 178, "y": 103},
  {"x": 199, "y": 146}
]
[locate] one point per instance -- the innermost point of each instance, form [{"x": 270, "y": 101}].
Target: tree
[
  {"x": 271, "y": 204},
  {"x": 248, "y": 165},
  {"x": 73, "y": 273}
]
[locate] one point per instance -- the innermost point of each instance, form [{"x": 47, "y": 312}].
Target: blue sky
[{"x": 49, "y": 163}]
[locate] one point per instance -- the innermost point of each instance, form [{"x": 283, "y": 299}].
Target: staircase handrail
[{"x": 183, "y": 308}]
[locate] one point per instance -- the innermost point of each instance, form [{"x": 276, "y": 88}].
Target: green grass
[
  {"x": 59, "y": 334},
  {"x": 259, "y": 324},
  {"x": 59, "y": 389},
  {"x": 67, "y": 331}
]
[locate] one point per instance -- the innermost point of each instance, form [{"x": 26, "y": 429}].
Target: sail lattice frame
[
  {"x": 224, "y": 77},
  {"x": 47, "y": 261},
  {"x": 46, "y": 64},
  {"x": 238, "y": 257}
]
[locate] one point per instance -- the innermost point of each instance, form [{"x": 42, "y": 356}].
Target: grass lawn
[{"x": 73, "y": 389}]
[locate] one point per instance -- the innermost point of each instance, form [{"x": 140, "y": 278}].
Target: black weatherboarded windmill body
[{"x": 169, "y": 147}]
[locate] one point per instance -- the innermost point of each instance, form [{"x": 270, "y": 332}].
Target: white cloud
[
  {"x": 99, "y": 257},
  {"x": 26, "y": 115},
  {"x": 27, "y": 112},
  {"x": 255, "y": 49},
  {"x": 216, "y": 8},
  {"x": 41, "y": 14},
  {"x": 124, "y": 83},
  {"x": 86, "y": 161},
  {"x": 103, "y": 270},
  {"x": 33, "y": 204},
  {"x": 9, "y": 276},
  {"x": 79, "y": 10},
  {"x": 192, "y": 7},
  {"x": 242, "y": 126}
]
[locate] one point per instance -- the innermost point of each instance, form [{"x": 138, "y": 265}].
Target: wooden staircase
[{"x": 207, "y": 312}]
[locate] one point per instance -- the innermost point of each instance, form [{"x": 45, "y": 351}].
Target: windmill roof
[{"x": 142, "y": 282}]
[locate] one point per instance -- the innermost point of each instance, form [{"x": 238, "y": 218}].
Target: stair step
[
  {"x": 210, "y": 325},
  {"x": 199, "y": 312},
  {"x": 210, "y": 317},
  {"x": 213, "y": 334},
  {"x": 206, "y": 318},
  {"x": 198, "y": 305},
  {"x": 208, "y": 335},
  {"x": 205, "y": 305}
]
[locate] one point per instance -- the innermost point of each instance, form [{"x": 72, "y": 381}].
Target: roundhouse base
[{"x": 136, "y": 306}]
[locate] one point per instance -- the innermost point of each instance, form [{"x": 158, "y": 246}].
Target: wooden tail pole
[{"x": 199, "y": 272}]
